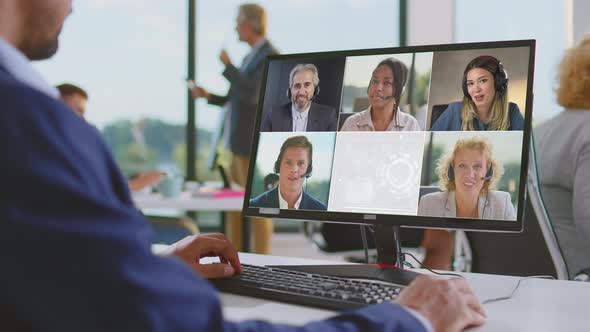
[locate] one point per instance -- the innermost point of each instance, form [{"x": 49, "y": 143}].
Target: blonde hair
[
  {"x": 475, "y": 143},
  {"x": 255, "y": 15},
  {"x": 499, "y": 115},
  {"x": 574, "y": 77}
]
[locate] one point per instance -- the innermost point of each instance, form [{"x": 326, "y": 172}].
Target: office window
[
  {"x": 293, "y": 27},
  {"x": 505, "y": 19},
  {"x": 131, "y": 58}
]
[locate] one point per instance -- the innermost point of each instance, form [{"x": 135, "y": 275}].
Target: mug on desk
[{"x": 170, "y": 185}]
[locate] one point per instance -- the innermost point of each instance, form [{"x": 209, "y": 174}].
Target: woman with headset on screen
[
  {"x": 294, "y": 166},
  {"x": 467, "y": 178},
  {"x": 385, "y": 89},
  {"x": 485, "y": 103}
]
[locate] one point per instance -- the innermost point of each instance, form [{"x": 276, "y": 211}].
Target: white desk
[
  {"x": 188, "y": 203},
  {"x": 538, "y": 305}
]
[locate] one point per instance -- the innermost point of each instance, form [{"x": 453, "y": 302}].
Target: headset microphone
[{"x": 486, "y": 178}]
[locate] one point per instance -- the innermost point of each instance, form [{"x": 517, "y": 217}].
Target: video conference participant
[
  {"x": 485, "y": 103},
  {"x": 385, "y": 89},
  {"x": 563, "y": 157},
  {"x": 294, "y": 166},
  {"x": 467, "y": 178},
  {"x": 301, "y": 114}
]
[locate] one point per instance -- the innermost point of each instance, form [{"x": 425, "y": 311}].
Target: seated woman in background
[
  {"x": 466, "y": 179},
  {"x": 485, "y": 103},
  {"x": 385, "y": 89},
  {"x": 563, "y": 158}
]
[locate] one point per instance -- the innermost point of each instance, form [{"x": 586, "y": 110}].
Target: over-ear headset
[
  {"x": 277, "y": 167},
  {"x": 487, "y": 178},
  {"x": 316, "y": 91},
  {"x": 500, "y": 75}
]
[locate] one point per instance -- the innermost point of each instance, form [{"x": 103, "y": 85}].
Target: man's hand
[
  {"x": 224, "y": 58},
  {"x": 192, "y": 248},
  {"x": 199, "y": 92},
  {"x": 144, "y": 179},
  {"x": 449, "y": 304}
]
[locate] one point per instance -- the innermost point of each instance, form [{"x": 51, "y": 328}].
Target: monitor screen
[{"x": 427, "y": 136}]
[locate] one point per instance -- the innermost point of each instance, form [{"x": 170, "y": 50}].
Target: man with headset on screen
[
  {"x": 294, "y": 166},
  {"x": 79, "y": 221},
  {"x": 301, "y": 113}
]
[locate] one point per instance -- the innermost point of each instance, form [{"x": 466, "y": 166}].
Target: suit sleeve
[
  {"x": 248, "y": 87},
  {"x": 333, "y": 122},
  {"x": 78, "y": 259},
  {"x": 217, "y": 100},
  {"x": 266, "y": 124}
]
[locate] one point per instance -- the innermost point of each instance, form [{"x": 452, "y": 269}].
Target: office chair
[
  {"x": 437, "y": 111},
  {"x": 535, "y": 251}
]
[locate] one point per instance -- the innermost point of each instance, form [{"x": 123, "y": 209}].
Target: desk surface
[
  {"x": 189, "y": 203},
  {"x": 538, "y": 305}
]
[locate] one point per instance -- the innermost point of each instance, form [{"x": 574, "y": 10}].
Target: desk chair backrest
[
  {"x": 535, "y": 251},
  {"x": 437, "y": 111}
]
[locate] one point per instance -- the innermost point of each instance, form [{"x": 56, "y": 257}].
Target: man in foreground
[{"x": 76, "y": 253}]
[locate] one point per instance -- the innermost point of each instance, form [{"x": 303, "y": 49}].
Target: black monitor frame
[{"x": 404, "y": 220}]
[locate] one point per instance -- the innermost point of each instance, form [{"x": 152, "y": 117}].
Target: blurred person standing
[{"x": 242, "y": 102}]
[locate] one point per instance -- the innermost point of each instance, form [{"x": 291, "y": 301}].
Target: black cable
[
  {"x": 515, "y": 289},
  {"x": 431, "y": 270}
]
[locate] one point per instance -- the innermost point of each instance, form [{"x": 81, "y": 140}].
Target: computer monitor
[{"x": 467, "y": 171}]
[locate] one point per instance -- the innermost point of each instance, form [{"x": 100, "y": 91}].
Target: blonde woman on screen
[{"x": 467, "y": 178}]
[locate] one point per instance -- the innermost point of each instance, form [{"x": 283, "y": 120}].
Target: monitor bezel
[{"x": 401, "y": 220}]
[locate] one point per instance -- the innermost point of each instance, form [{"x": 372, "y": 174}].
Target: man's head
[
  {"x": 303, "y": 85},
  {"x": 75, "y": 97},
  {"x": 294, "y": 163},
  {"x": 33, "y": 26},
  {"x": 251, "y": 22}
]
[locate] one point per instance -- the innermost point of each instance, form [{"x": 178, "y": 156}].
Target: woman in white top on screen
[
  {"x": 384, "y": 92},
  {"x": 466, "y": 179}
]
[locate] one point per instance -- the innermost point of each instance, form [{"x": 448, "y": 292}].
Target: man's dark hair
[{"x": 68, "y": 89}]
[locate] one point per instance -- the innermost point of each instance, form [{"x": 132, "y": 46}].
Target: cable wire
[
  {"x": 431, "y": 270},
  {"x": 515, "y": 289}
]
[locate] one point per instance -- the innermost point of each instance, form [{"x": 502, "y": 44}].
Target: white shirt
[
  {"x": 283, "y": 203},
  {"x": 362, "y": 122},
  {"x": 300, "y": 118},
  {"x": 19, "y": 66}
]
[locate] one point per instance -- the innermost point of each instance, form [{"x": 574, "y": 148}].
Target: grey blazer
[
  {"x": 563, "y": 163},
  {"x": 497, "y": 206},
  {"x": 243, "y": 95}
]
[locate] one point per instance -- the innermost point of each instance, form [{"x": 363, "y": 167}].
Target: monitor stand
[{"x": 389, "y": 267}]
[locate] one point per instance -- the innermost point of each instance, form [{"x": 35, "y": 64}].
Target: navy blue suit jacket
[
  {"x": 450, "y": 120},
  {"x": 75, "y": 252},
  {"x": 270, "y": 199},
  {"x": 320, "y": 118},
  {"x": 243, "y": 94}
]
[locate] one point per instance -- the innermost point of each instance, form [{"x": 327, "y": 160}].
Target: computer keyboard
[{"x": 305, "y": 288}]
